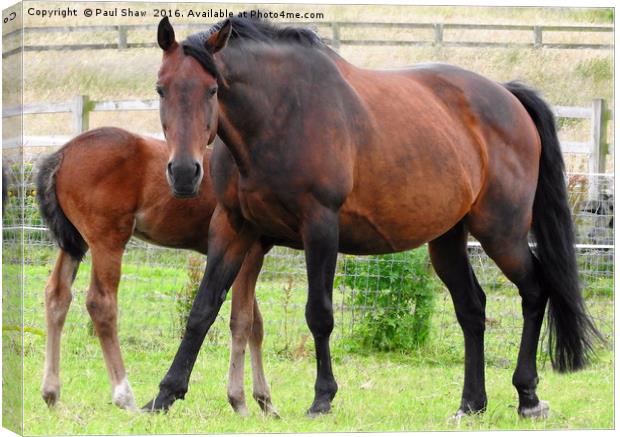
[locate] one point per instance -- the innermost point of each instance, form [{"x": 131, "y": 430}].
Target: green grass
[{"x": 378, "y": 391}]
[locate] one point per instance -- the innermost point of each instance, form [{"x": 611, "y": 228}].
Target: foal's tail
[
  {"x": 62, "y": 230},
  {"x": 571, "y": 330}
]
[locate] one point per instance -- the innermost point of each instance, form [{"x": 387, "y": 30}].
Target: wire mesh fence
[{"x": 152, "y": 277}]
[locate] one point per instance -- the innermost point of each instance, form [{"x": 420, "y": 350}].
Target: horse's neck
[{"x": 268, "y": 87}]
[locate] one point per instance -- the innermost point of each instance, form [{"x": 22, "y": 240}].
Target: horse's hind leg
[
  {"x": 260, "y": 390},
  {"x": 520, "y": 266},
  {"x": 57, "y": 302},
  {"x": 241, "y": 318},
  {"x": 246, "y": 325},
  {"x": 449, "y": 257},
  {"x": 101, "y": 303}
]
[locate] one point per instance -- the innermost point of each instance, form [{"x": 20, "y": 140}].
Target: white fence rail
[{"x": 80, "y": 107}]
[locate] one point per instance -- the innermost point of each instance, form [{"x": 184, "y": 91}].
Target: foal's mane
[{"x": 245, "y": 29}]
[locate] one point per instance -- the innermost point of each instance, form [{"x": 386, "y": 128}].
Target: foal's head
[{"x": 187, "y": 86}]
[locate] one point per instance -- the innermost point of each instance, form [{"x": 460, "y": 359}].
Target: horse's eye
[
  {"x": 212, "y": 91},
  {"x": 160, "y": 90}
]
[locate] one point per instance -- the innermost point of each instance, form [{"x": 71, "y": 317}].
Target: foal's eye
[
  {"x": 212, "y": 91},
  {"x": 160, "y": 90}
]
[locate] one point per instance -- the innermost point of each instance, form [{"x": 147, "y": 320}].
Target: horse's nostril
[
  {"x": 170, "y": 168},
  {"x": 197, "y": 170}
]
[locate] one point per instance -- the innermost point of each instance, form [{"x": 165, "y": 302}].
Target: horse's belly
[{"x": 401, "y": 221}]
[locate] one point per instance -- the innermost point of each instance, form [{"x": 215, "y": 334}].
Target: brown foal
[{"x": 95, "y": 193}]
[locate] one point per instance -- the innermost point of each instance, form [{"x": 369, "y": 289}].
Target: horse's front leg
[
  {"x": 320, "y": 238},
  {"x": 227, "y": 249}
]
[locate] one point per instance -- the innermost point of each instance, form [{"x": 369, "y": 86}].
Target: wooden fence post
[
  {"x": 596, "y": 163},
  {"x": 538, "y": 37},
  {"x": 122, "y": 37},
  {"x": 335, "y": 36},
  {"x": 438, "y": 28},
  {"x": 80, "y": 111}
]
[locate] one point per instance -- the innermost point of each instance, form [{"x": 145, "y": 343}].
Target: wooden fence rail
[
  {"x": 80, "y": 107},
  {"x": 436, "y": 37}
]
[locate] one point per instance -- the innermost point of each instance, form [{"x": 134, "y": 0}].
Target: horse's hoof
[
  {"x": 264, "y": 402},
  {"x": 272, "y": 412},
  {"x": 540, "y": 411},
  {"x": 241, "y": 410},
  {"x": 237, "y": 402},
  {"x": 50, "y": 396},
  {"x": 456, "y": 417},
  {"x": 123, "y": 397},
  {"x": 154, "y": 406},
  {"x": 319, "y": 408},
  {"x": 269, "y": 410}
]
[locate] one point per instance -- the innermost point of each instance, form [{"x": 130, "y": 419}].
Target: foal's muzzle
[{"x": 184, "y": 177}]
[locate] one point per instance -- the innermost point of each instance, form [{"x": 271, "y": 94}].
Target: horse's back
[
  {"x": 441, "y": 136},
  {"x": 509, "y": 141}
]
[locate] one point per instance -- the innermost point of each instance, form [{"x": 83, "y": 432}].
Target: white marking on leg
[{"x": 123, "y": 396}]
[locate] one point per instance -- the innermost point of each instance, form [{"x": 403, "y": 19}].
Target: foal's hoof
[
  {"x": 540, "y": 411},
  {"x": 122, "y": 397},
  {"x": 319, "y": 408},
  {"x": 240, "y": 408},
  {"x": 264, "y": 402},
  {"x": 269, "y": 410},
  {"x": 50, "y": 396}
]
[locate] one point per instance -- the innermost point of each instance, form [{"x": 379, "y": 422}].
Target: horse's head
[{"x": 187, "y": 85}]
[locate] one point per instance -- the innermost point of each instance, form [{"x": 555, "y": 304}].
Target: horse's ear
[
  {"x": 218, "y": 40},
  {"x": 165, "y": 34}
]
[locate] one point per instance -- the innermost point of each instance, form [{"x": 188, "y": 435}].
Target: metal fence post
[
  {"x": 598, "y": 154},
  {"x": 335, "y": 36},
  {"x": 122, "y": 37},
  {"x": 80, "y": 111}
]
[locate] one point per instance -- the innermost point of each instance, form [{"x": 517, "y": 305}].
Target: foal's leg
[
  {"x": 260, "y": 390},
  {"x": 57, "y": 301},
  {"x": 517, "y": 262},
  {"x": 241, "y": 319},
  {"x": 449, "y": 258},
  {"x": 227, "y": 249},
  {"x": 320, "y": 238},
  {"x": 101, "y": 303}
]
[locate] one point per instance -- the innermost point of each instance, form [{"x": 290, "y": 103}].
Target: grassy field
[{"x": 378, "y": 391}]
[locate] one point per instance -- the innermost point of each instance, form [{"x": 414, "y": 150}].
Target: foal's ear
[
  {"x": 165, "y": 34},
  {"x": 218, "y": 40}
]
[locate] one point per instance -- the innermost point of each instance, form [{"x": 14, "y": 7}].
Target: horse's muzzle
[{"x": 184, "y": 178}]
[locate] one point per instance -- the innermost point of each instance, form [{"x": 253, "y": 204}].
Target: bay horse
[
  {"x": 94, "y": 193},
  {"x": 324, "y": 156}
]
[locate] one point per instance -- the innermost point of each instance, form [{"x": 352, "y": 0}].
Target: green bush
[
  {"x": 185, "y": 298},
  {"x": 396, "y": 294}
]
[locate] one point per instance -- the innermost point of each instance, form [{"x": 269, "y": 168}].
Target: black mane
[{"x": 247, "y": 29}]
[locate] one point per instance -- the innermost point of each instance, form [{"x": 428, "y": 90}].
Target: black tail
[
  {"x": 571, "y": 330},
  {"x": 62, "y": 230}
]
